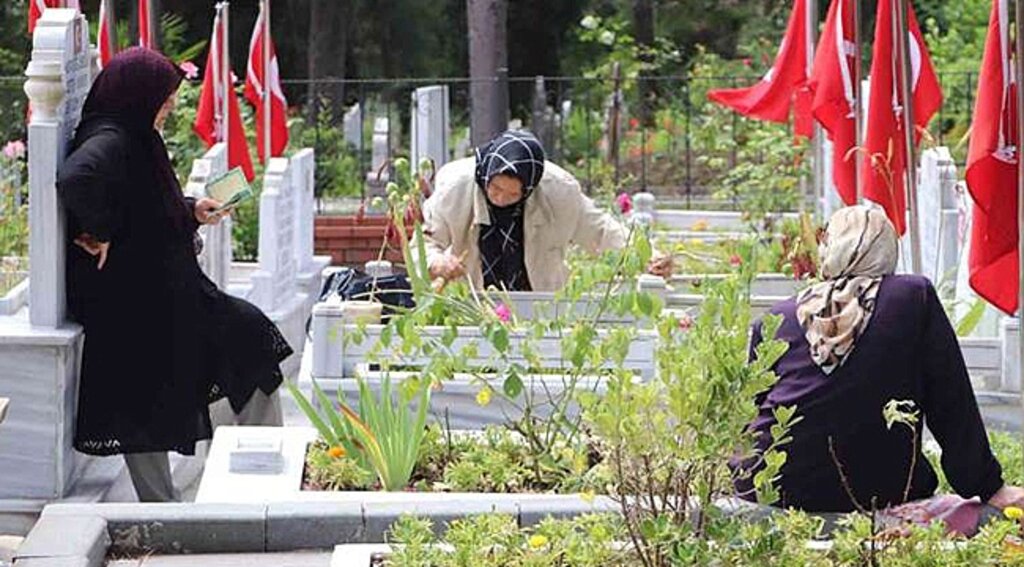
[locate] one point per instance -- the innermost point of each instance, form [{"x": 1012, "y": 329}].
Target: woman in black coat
[{"x": 161, "y": 341}]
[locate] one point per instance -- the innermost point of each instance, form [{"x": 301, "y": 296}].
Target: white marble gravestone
[
  {"x": 216, "y": 256},
  {"x": 381, "y": 151},
  {"x": 938, "y": 216},
  {"x": 352, "y": 125},
  {"x": 303, "y": 170},
  {"x": 274, "y": 281},
  {"x": 40, "y": 350},
  {"x": 59, "y": 78},
  {"x": 430, "y": 128}
]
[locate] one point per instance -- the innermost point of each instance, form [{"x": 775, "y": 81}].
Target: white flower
[
  {"x": 607, "y": 38},
  {"x": 590, "y": 22}
]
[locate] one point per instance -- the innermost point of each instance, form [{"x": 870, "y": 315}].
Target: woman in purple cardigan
[{"x": 857, "y": 340}]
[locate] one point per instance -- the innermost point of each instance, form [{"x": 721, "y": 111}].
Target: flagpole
[
  {"x": 1019, "y": 66},
  {"x": 818, "y": 143},
  {"x": 225, "y": 78},
  {"x": 265, "y": 6},
  {"x": 858, "y": 97},
  {"x": 910, "y": 165}
]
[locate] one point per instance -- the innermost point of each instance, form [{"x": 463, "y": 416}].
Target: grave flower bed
[{"x": 656, "y": 446}]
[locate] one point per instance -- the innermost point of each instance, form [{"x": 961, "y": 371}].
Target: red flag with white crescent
[
  {"x": 254, "y": 85},
  {"x": 832, "y": 81},
  {"x": 886, "y": 163},
  {"x": 784, "y": 89},
  {"x": 992, "y": 170},
  {"x": 145, "y": 28},
  {"x": 105, "y": 36},
  {"x": 209, "y": 123}
]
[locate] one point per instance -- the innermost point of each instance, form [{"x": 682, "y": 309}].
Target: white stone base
[
  {"x": 1009, "y": 332},
  {"x": 39, "y": 373}
]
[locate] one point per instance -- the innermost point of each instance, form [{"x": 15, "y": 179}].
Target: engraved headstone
[{"x": 430, "y": 129}]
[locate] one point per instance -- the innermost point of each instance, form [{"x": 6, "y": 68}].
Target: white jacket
[{"x": 557, "y": 214}]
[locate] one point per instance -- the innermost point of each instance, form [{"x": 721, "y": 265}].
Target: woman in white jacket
[{"x": 506, "y": 218}]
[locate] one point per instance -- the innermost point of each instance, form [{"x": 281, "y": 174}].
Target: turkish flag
[
  {"x": 105, "y": 36},
  {"x": 254, "y": 85},
  {"x": 992, "y": 170},
  {"x": 835, "y": 101},
  {"x": 886, "y": 163},
  {"x": 784, "y": 87},
  {"x": 145, "y": 31},
  {"x": 36, "y": 9},
  {"x": 209, "y": 124}
]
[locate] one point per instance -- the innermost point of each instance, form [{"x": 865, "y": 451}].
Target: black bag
[{"x": 349, "y": 284}]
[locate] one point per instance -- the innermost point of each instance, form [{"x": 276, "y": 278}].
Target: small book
[{"x": 229, "y": 189}]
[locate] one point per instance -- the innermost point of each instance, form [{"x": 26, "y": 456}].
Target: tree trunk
[
  {"x": 328, "y": 50},
  {"x": 488, "y": 68},
  {"x": 643, "y": 30}
]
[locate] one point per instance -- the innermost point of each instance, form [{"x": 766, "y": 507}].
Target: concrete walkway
[{"x": 295, "y": 559}]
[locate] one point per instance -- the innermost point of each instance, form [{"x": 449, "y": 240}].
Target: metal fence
[{"x": 667, "y": 138}]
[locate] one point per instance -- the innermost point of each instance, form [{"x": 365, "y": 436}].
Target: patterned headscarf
[
  {"x": 519, "y": 154},
  {"x": 860, "y": 248}
]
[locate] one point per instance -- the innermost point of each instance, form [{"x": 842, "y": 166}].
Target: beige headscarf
[{"x": 860, "y": 248}]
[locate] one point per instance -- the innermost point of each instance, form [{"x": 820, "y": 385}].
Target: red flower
[
  {"x": 747, "y": 62},
  {"x": 391, "y": 234},
  {"x": 625, "y": 203},
  {"x": 685, "y": 322},
  {"x": 634, "y": 123},
  {"x": 735, "y": 261}
]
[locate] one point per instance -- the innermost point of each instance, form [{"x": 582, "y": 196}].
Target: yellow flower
[
  {"x": 336, "y": 452},
  {"x": 1013, "y": 512},
  {"x": 538, "y": 541},
  {"x": 483, "y": 397},
  {"x": 695, "y": 242},
  {"x": 700, "y": 226},
  {"x": 587, "y": 496}
]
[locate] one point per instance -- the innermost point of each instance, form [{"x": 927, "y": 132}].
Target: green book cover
[{"x": 229, "y": 189}]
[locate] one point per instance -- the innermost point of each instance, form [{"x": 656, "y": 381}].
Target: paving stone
[
  {"x": 179, "y": 527},
  {"x": 76, "y": 561},
  {"x": 533, "y": 510},
  {"x": 313, "y": 525},
  {"x": 379, "y": 516},
  {"x": 66, "y": 536}
]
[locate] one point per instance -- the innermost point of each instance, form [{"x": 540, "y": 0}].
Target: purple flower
[
  {"x": 15, "y": 149},
  {"x": 503, "y": 312},
  {"x": 625, "y": 203}
]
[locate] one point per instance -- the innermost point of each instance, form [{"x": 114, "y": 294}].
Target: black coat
[{"x": 161, "y": 341}]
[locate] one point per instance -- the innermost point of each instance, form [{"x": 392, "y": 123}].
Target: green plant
[
  {"x": 329, "y": 468},
  {"x": 384, "y": 436},
  {"x": 339, "y": 170},
  {"x": 497, "y": 541},
  {"x": 668, "y": 441},
  {"x": 13, "y": 202}
]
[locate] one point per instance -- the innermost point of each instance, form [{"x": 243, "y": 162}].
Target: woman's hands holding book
[{"x": 208, "y": 211}]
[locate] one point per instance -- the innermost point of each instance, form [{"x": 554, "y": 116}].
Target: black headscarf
[
  {"x": 516, "y": 153},
  {"x": 128, "y": 93}
]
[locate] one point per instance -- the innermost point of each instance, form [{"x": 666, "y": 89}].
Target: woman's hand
[
  {"x": 94, "y": 247},
  {"x": 204, "y": 211},
  {"x": 447, "y": 267},
  {"x": 1008, "y": 496},
  {"x": 661, "y": 265}
]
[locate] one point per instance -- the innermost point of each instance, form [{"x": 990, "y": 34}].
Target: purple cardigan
[{"x": 909, "y": 351}]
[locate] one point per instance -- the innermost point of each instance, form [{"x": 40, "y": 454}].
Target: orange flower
[{"x": 336, "y": 452}]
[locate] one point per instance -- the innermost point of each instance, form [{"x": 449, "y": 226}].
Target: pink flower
[
  {"x": 685, "y": 322},
  {"x": 747, "y": 62},
  {"x": 634, "y": 123},
  {"x": 503, "y": 312},
  {"x": 625, "y": 203},
  {"x": 735, "y": 261},
  {"x": 190, "y": 70},
  {"x": 14, "y": 149}
]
